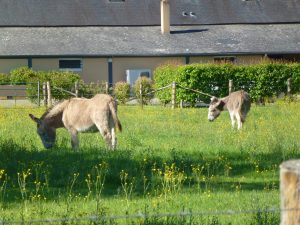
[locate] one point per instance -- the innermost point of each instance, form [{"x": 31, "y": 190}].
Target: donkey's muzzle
[
  {"x": 211, "y": 118},
  {"x": 48, "y": 145}
]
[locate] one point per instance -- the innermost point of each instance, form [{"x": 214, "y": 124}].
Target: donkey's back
[
  {"x": 239, "y": 102},
  {"x": 81, "y": 111},
  {"x": 79, "y": 115},
  {"x": 97, "y": 113}
]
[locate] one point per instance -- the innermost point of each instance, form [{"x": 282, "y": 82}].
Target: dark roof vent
[
  {"x": 184, "y": 13},
  {"x": 116, "y": 0},
  {"x": 192, "y": 14},
  {"x": 188, "y": 14}
]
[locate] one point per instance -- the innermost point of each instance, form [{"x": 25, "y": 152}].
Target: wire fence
[
  {"x": 45, "y": 93},
  {"x": 144, "y": 216}
]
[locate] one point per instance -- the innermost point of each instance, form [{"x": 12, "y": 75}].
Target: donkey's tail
[
  {"x": 245, "y": 105},
  {"x": 113, "y": 111}
]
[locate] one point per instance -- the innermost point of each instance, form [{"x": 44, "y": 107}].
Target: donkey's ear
[
  {"x": 213, "y": 99},
  {"x": 220, "y": 106},
  {"x": 37, "y": 120}
]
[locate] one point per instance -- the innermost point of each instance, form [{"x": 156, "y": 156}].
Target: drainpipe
[
  {"x": 29, "y": 62},
  {"x": 165, "y": 16},
  {"x": 110, "y": 72}
]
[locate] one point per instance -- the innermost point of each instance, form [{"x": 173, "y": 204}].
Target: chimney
[{"x": 165, "y": 16}]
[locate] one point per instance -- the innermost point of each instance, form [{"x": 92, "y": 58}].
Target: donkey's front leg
[{"x": 74, "y": 139}]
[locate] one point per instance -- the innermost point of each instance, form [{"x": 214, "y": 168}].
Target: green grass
[{"x": 167, "y": 161}]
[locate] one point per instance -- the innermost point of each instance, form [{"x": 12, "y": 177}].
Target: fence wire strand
[{"x": 141, "y": 215}]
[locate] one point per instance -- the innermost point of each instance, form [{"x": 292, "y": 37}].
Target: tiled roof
[
  {"x": 145, "y": 12},
  {"x": 148, "y": 41}
]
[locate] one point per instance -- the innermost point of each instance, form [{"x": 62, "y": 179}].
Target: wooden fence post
[
  {"x": 106, "y": 88},
  {"x": 76, "y": 89},
  {"x": 290, "y": 192},
  {"x": 289, "y": 87},
  {"x": 49, "y": 99},
  {"x": 141, "y": 94},
  {"x": 230, "y": 85},
  {"x": 45, "y": 94},
  {"x": 173, "y": 94},
  {"x": 38, "y": 94}
]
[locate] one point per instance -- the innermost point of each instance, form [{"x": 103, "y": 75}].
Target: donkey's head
[
  {"x": 46, "y": 132},
  {"x": 215, "y": 108}
]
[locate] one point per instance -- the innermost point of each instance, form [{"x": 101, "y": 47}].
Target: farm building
[{"x": 109, "y": 40}]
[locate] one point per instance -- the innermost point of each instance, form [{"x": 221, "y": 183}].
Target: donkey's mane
[{"x": 56, "y": 109}]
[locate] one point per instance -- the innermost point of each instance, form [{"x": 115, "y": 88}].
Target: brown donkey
[
  {"x": 237, "y": 103},
  {"x": 80, "y": 115}
]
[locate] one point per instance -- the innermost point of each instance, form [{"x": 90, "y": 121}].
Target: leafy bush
[
  {"x": 91, "y": 89},
  {"x": 146, "y": 88},
  {"x": 293, "y": 72},
  {"x": 63, "y": 80},
  {"x": 164, "y": 75},
  {"x": 208, "y": 78},
  {"x": 262, "y": 81},
  {"x": 32, "y": 85},
  {"x": 122, "y": 91},
  {"x": 22, "y": 75},
  {"x": 4, "y": 78}
]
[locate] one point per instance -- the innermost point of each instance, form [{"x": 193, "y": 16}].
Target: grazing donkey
[
  {"x": 237, "y": 103},
  {"x": 80, "y": 115}
]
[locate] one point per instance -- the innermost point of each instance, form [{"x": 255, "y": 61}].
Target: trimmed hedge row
[
  {"x": 25, "y": 75},
  {"x": 262, "y": 81}
]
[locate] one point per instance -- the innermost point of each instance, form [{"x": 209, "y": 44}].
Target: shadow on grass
[{"x": 57, "y": 167}]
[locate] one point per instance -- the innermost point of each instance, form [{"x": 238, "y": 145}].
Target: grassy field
[{"x": 167, "y": 162}]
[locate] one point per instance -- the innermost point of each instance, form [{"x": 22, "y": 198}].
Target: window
[
  {"x": 70, "y": 64},
  {"x": 145, "y": 74},
  {"x": 284, "y": 57},
  {"x": 225, "y": 59}
]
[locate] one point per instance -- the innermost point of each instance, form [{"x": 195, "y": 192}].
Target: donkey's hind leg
[
  {"x": 103, "y": 127},
  {"x": 74, "y": 139},
  {"x": 113, "y": 133},
  {"x": 107, "y": 137},
  {"x": 239, "y": 120},
  {"x": 232, "y": 117}
]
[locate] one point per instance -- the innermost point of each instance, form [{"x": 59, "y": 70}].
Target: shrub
[
  {"x": 22, "y": 75},
  {"x": 32, "y": 85},
  {"x": 122, "y": 91},
  {"x": 91, "y": 89},
  {"x": 262, "y": 81},
  {"x": 164, "y": 75},
  {"x": 208, "y": 78},
  {"x": 294, "y": 73},
  {"x": 4, "y": 78},
  {"x": 147, "y": 86},
  {"x": 64, "y": 80}
]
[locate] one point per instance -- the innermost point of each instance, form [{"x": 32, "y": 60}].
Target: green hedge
[
  {"x": 262, "y": 81},
  {"x": 4, "y": 78},
  {"x": 25, "y": 75}
]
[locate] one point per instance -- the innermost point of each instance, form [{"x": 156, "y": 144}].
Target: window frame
[
  {"x": 78, "y": 69},
  {"x": 225, "y": 59}
]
